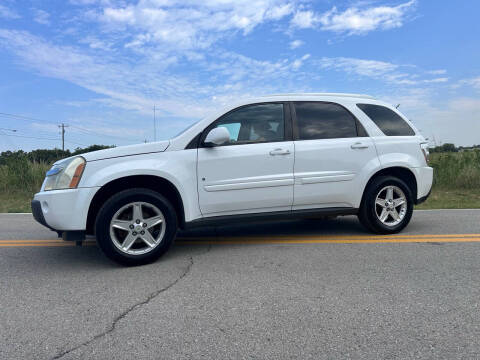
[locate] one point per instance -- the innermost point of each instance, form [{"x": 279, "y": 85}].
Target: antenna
[{"x": 396, "y": 107}]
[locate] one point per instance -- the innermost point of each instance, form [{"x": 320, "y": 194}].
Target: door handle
[
  {"x": 359, "y": 145},
  {"x": 279, "y": 152}
]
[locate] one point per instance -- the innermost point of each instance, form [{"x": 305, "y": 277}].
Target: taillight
[{"x": 426, "y": 154}]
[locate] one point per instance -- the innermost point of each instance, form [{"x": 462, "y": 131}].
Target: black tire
[
  {"x": 367, "y": 213},
  {"x": 116, "y": 202}
]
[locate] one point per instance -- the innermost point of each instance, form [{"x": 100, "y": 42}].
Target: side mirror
[{"x": 217, "y": 136}]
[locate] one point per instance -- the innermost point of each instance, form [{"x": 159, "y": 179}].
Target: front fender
[{"x": 178, "y": 167}]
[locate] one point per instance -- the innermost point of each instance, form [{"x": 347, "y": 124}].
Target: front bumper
[
  {"x": 63, "y": 210},
  {"x": 38, "y": 214}
]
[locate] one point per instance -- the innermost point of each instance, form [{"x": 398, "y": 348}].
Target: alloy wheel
[
  {"x": 391, "y": 205},
  {"x": 137, "y": 228}
]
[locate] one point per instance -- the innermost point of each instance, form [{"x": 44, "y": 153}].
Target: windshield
[{"x": 187, "y": 128}]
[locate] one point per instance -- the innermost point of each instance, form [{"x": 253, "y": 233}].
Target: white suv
[{"x": 272, "y": 157}]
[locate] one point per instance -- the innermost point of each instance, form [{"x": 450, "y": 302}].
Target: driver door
[{"x": 253, "y": 172}]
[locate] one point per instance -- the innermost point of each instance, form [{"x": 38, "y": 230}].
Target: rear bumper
[
  {"x": 423, "y": 198},
  {"x": 424, "y": 177}
]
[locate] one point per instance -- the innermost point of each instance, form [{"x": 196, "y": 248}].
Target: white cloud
[
  {"x": 191, "y": 24},
  {"x": 437, "y": 72},
  {"x": 304, "y": 19},
  {"x": 436, "y": 80},
  {"x": 138, "y": 86},
  {"x": 296, "y": 44},
  {"x": 369, "y": 68},
  {"x": 41, "y": 17},
  {"x": 7, "y": 13},
  {"x": 359, "y": 21},
  {"x": 354, "y": 20},
  {"x": 299, "y": 62},
  {"x": 473, "y": 82},
  {"x": 380, "y": 70}
]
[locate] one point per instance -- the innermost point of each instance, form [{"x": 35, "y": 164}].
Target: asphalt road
[{"x": 299, "y": 289}]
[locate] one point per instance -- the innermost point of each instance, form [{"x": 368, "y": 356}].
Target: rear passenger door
[{"x": 333, "y": 154}]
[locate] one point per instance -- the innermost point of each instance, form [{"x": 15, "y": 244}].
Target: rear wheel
[
  {"x": 387, "y": 205},
  {"x": 136, "y": 226}
]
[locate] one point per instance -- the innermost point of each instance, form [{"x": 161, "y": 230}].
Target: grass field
[
  {"x": 456, "y": 182},
  {"x": 19, "y": 180}
]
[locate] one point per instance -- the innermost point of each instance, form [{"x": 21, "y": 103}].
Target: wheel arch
[
  {"x": 403, "y": 173},
  {"x": 152, "y": 182}
]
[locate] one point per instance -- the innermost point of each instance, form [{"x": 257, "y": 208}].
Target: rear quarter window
[{"x": 387, "y": 120}]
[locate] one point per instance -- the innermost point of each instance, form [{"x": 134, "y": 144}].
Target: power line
[
  {"x": 32, "y": 119},
  {"x": 31, "y": 137},
  {"x": 76, "y": 143},
  {"x": 96, "y": 133},
  {"x": 10, "y": 141},
  {"x": 24, "y": 118}
]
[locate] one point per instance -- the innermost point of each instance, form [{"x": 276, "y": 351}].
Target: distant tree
[
  {"x": 79, "y": 151},
  {"x": 447, "y": 147},
  {"x": 48, "y": 156}
]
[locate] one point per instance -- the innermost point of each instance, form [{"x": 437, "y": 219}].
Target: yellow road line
[
  {"x": 40, "y": 243},
  {"x": 281, "y": 239}
]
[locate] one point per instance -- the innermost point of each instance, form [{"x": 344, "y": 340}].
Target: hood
[{"x": 129, "y": 150}]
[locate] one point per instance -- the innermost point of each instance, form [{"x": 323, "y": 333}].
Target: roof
[{"x": 362, "y": 96}]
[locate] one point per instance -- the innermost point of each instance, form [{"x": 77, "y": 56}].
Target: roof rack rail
[{"x": 324, "y": 94}]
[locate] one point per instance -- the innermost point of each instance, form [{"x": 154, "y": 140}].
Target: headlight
[{"x": 65, "y": 174}]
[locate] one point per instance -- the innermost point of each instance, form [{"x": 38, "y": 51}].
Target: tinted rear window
[
  {"x": 387, "y": 120},
  {"x": 317, "y": 120}
]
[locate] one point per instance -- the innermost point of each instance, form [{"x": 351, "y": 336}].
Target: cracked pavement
[{"x": 246, "y": 301}]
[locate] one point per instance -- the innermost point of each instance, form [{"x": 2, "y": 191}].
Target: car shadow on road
[
  {"x": 342, "y": 225},
  {"x": 75, "y": 257}
]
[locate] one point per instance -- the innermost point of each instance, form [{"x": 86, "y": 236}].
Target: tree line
[
  {"x": 449, "y": 147},
  {"x": 46, "y": 155}
]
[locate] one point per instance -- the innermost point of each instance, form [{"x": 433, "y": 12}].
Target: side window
[
  {"x": 387, "y": 120},
  {"x": 254, "y": 124},
  {"x": 318, "y": 120}
]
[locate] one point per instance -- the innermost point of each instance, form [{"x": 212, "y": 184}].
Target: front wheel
[
  {"x": 387, "y": 205},
  {"x": 136, "y": 226}
]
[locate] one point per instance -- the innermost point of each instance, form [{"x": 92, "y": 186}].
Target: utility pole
[
  {"x": 154, "y": 125},
  {"x": 63, "y": 126}
]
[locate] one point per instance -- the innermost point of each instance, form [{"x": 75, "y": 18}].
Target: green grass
[
  {"x": 17, "y": 202},
  {"x": 456, "y": 182},
  {"x": 19, "y": 181},
  {"x": 452, "y": 199}
]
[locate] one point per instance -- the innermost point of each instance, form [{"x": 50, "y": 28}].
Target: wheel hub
[
  {"x": 137, "y": 228},
  {"x": 391, "y": 205}
]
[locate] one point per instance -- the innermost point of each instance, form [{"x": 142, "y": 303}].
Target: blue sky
[{"x": 101, "y": 65}]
